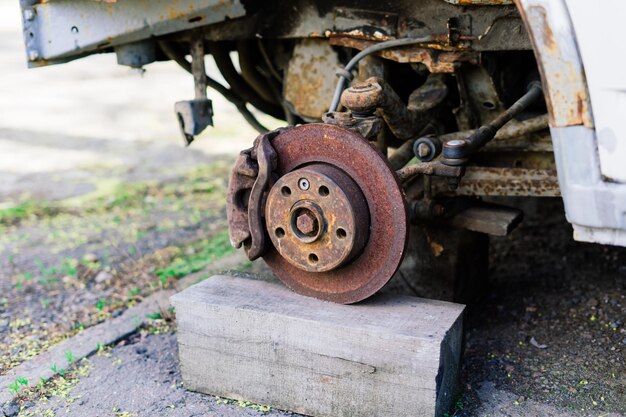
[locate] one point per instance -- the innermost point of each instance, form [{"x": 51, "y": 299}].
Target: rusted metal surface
[
  {"x": 436, "y": 61},
  {"x": 266, "y": 160},
  {"x": 404, "y": 121},
  {"x": 561, "y": 68},
  {"x": 434, "y": 168},
  {"x": 249, "y": 180},
  {"x": 317, "y": 218},
  {"x": 408, "y": 121},
  {"x": 511, "y": 130},
  {"x": 59, "y": 31},
  {"x": 482, "y": 96},
  {"x": 381, "y": 256},
  {"x": 363, "y": 96},
  {"x": 521, "y": 182},
  {"x": 310, "y": 78},
  {"x": 368, "y": 126},
  {"x": 428, "y": 95}
]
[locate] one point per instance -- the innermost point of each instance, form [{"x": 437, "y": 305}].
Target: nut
[{"x": 306, "y": 223}]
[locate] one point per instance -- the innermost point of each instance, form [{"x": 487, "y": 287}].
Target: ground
[{"x": 101, "y": 205}]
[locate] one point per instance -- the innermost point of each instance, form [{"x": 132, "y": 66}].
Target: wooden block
[
  {"x": 488, "y": 218},
  {"x": 258, "y": 341}
]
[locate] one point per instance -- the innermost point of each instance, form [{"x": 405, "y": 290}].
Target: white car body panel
[{"x": 599, "y": 33}]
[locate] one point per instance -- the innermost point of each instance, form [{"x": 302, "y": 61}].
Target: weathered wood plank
[
  {"x": 488, "y": 218},
  {"x": 258, "y": 341}
]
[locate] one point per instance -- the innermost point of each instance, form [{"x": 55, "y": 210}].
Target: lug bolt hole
[
  {"x": 489, "y": 105},
  {"x": 285, "y": 191},
  {"x": 280, "y": 232},
  {"x": 313, "y": 258},
  {"x": 341, "y": 233},
  {"x": 303, "y": 184},
  {"x": 324, "y": 191}
]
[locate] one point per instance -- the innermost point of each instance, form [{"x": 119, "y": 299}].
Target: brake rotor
[{"x": 336, "y": 214}]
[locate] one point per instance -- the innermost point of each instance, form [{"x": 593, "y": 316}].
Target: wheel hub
[
  {"x": 317, "y": 218},
  {"x": 339, "y": 233}
]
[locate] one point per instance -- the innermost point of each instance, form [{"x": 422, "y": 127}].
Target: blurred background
[
  {"x": 73, "y": 129},
  {"x": 101, "y": 204}
]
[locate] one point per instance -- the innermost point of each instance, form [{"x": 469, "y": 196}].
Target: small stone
[
  {"x": 592, "y": 302},
  {"x": 11, "y": 409},
  {"x": 572, "y": 390},
  {"x": 90, "y": 257},
  {"x": 103, "y": 277},
  {"x": 624, "y": 341}
]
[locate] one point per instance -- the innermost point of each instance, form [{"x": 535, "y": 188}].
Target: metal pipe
[
  {"x": 457, "y": 152},
  {"x": 197, "y": 68},
  {"x": 508, "y": 131},
  {"x": 429, "y": 168},
  {"x": 250, "y": 73},
  {"x": 276, "y": 84}
]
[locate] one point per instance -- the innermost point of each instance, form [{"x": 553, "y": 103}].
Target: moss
[{"x": 196, "y": 257}]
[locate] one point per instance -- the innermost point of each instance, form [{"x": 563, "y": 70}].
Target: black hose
[
  {"x": 239, "y": 85},
  {"x": 174, "y": 54},
  {"x": 268, "y": 62},
  {"x": 248, "y": 64},
  {"x": 259, "y": 77}
]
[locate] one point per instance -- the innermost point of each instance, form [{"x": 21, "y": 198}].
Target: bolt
[
  {"x": 306, "y": 223},
  {"x": 423, "y": 150},
  {"x": 29, "y": 14},
  {"x": 303, "y": 183},
  {"x": 33, "y": 55}
]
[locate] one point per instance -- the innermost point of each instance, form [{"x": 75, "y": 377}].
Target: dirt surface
[
  {"x": 551, "y": 328},
  {"x": 67, "y": 269},
  {"x": 139, "y": 377},
  {"x": 547, "y": 340}
]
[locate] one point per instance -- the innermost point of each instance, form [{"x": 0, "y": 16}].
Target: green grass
[
  {"x": 204, "y": 253},
  {"x": 25, "y": 210},
  {"x": 119, "y": 196}
]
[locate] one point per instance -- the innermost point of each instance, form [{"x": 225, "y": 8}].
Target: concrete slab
[{"x": 257, "y": 341}]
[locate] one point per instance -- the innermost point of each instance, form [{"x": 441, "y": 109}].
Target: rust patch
[
  {"x": 436, "y": 248},
  {"x": 310, "y": 79},
  {"x": 317, "y": 218},
  {"x": 560, "y": 66},
  {"x": 435, "y": 60},
  {"x": 481, "y": 181}
]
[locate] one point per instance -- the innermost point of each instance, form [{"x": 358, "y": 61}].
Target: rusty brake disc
[{"x": 336, "y": 214}]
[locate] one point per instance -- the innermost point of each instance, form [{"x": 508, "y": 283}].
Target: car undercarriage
[{"x": 408, "y": 125}]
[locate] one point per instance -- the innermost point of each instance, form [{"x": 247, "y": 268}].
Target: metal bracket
[{"x": 195, "y": 115}]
